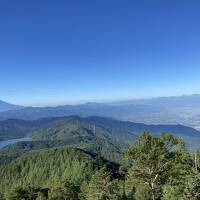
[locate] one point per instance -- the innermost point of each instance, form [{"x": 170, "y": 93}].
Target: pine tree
[
  {"x": 65, "y": 191},
  {"x": 153, "y": 159},
  {"x": 102, "y": 186}
]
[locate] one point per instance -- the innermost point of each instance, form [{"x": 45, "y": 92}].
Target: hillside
[
  {"x": 15, "y": 128},
  {"x": 104, "y": 136},
  {"x": 77, "y": 129},
  {"x": 34, "y": 169},
  {"x": 73, "y": 174},
  {"x": 11, "y": 152},
  {"x": 140, "y": 127}
]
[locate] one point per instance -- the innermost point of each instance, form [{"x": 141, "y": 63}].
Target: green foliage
[
  {"x": 1, "y": 197},
  {"x": 85, "y": 134},
  {"x": 192, "y": 189},
  {"x": 65, "y": 191},
  {"x": 102, "y": 186},
  {"x": 142, "y": 192},
  {"x": 16, "y": 128},
  {"x": 48, "y": 167},
  {"x": 173, "y": 192},
  {"x": 156, "y": 168},
  {"x": 27, "y": 193},
  {"x": 154, "y": 159},
  {"x": 14, "y": 151}
]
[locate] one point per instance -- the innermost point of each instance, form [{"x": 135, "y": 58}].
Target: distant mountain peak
[{"x": 4, "y": 106}]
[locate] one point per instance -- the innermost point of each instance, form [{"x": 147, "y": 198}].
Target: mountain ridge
[
  {"x": 162, "y": 110},
  {"x": 124, "y": 131},
  {"x": 4, "y": 106}
]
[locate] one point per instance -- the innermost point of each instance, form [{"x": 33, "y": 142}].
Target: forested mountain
[
  {"x": 46, "y": 168},
  {"x": 15, "y": 128},
  {"x": 77, "y": 129},
  {"x": 104, "y": 136},
  {"x": 10, "y": 152}
]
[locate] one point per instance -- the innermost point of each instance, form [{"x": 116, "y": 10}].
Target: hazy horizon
[{"x": 55, "y": 104}]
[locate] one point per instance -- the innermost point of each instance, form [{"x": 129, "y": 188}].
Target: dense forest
[{"x": 153, "y": 167}]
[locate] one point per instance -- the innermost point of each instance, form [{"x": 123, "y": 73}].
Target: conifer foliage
[{"x": 153, "y": 168}]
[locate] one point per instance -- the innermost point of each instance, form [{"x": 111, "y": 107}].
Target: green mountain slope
[
  {"x": 45, "y": 168},
  {"x": 136, "y": 128},
  {"x": 13, "y": 151},
  {"x": 79, "y": 132},
  {"x": 15, "y": 128},
  {"x": 77, "y": 129},
  {"x": 89, "y": 133}
]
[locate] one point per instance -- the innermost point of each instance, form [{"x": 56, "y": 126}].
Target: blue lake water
[{"x": 7, "y": 142}]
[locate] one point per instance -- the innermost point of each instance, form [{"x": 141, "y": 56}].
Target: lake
[{"x": 7, "y": 142}]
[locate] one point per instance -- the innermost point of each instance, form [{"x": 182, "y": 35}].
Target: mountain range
[{"x": 164, "y": 110}]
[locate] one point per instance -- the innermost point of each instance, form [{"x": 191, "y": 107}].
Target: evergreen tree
[
  {"x": 192, "y": 190},
  {"x": 1, "y": 197},
  {"x": 153, "y": 159},
  {"x": 173, "y": 192},
  {"x": 21, "y": 194},
  {"x": 65, "y": 191},
  {"x": 102, "y": 186}
]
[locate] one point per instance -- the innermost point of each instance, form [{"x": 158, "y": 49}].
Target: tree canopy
[{"x": 154, "y": 168}]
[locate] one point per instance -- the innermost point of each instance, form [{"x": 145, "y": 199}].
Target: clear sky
[{"x": 55, "y": 52}]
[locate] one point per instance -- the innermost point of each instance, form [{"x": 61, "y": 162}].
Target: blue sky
[{"x": 56, "y": 52}]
